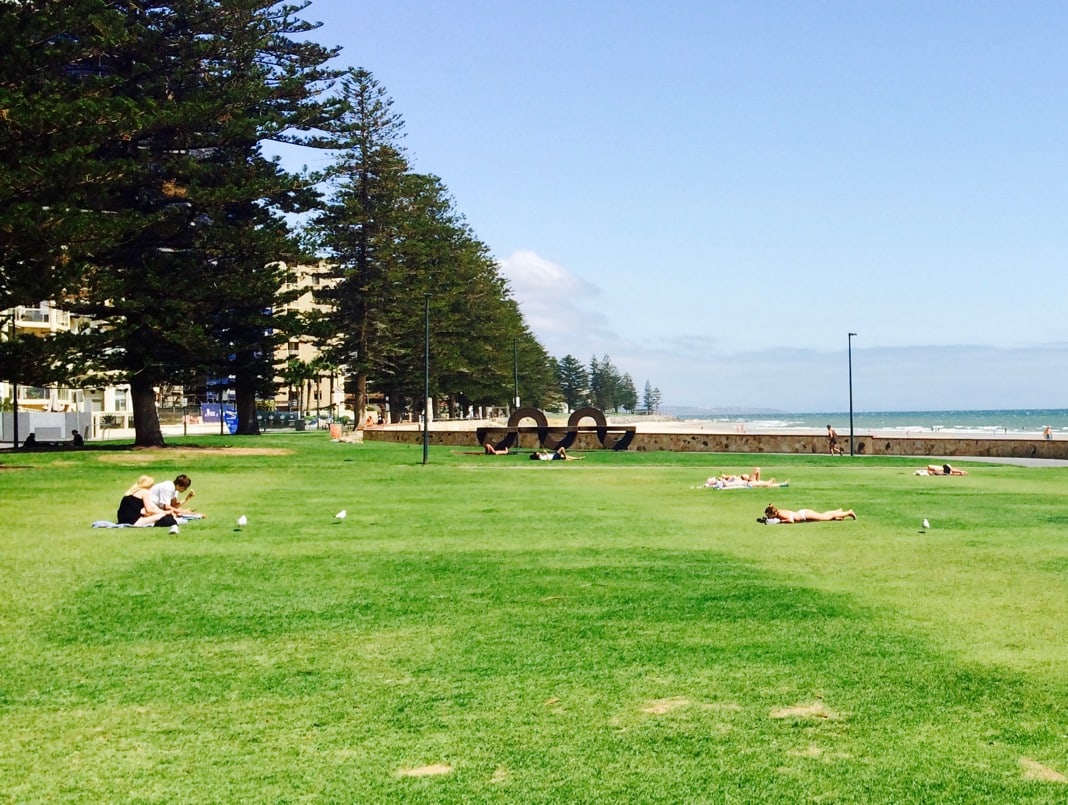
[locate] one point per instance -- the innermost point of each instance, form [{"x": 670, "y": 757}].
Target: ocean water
[{"x": 1023, "y": 422}]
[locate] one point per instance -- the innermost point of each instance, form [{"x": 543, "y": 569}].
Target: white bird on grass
[
  {"x": 925, "y": 523},
  {"x": 341, "y": 514},
  {"x": 242, "y": 520}
]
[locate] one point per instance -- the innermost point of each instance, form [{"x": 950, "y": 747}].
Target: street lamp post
[
  {"x": 515, "y": 366},
  {"x": 850, "y": 352},
  {"x": 426, "y": 379}
]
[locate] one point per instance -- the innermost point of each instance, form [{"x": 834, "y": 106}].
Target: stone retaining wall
[{"x": 762, "y": 443}]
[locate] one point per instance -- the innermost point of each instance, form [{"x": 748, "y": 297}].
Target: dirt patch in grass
[
  {"x": 426, "y": 771},
  {"x": 501, "y": 775},
  {"x": 814, "y": 752},
  {"x": 816, "y": 710},
  {"x": 1033, "y": 770},
  {"x": 659, "y": 707},
  {"x": 138, "y": 454},
  {"x": 808, "y": 751}
]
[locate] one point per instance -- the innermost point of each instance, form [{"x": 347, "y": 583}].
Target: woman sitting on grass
[
  {"x": 137, "y": 509},
  {"x": 774, "y": 515}
]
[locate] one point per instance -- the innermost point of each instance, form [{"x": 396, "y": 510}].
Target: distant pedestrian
[
  {"x": 833, "y": 447},
  {"x": 1047, "y": 433},
  {"x": 76, "y": 439}
]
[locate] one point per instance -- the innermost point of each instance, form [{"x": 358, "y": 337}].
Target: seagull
[
  {"x": 242, "y": 520},
  {"x": 341, "y": 514},
  {"x": 925, "y": 523}
]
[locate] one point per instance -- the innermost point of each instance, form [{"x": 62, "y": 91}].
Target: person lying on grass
[
  {"x": 945, "y": 469},
  {"x": 773, "y": 515},
  {"x": 744, "y": 481},
  {"x": 560, "y": 454}
]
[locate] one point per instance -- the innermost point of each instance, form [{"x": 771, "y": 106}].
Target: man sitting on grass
[{"x": 165, "y": 496}]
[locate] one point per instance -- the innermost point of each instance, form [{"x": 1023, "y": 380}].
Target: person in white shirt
[{"x": 165, "y": 495}]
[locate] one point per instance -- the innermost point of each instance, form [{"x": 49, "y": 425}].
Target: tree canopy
[
  {"x": 180, "y": 225},
  {"x": 135, "y": 193},
  {"x": 403, "y": 258}
]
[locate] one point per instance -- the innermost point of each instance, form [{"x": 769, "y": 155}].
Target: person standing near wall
[{"x": 833, "y": 447}]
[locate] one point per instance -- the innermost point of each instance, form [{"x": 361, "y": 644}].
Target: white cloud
[
  {"x": 551, "y": 298},
  {"x": 533, "y": 277}
]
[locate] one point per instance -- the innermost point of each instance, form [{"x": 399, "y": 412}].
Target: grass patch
[{"x": 495, "y": 629}]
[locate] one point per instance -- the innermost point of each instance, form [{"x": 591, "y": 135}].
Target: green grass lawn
[{"x": 492, "y": 629}]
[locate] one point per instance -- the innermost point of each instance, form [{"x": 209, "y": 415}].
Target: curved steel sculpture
[{"x": 573, "y": 429}]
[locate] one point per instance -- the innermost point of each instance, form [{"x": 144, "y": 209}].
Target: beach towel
[{"x": 742, "y": 485}]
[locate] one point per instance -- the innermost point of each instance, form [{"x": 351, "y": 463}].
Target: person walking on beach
[{"x": 833, "y": 447}]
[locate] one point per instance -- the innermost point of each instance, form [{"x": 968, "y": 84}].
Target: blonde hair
[{"x": 144, "y": 482}]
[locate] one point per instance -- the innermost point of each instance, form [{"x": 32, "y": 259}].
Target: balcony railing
[{"x": 39, "y": 318}]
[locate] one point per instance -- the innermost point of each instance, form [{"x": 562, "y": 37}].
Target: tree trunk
[
  {"x": 147, "y": 431},
  {"x": 396, "y": 403},
  {"x": 361, "y": 399},
  {"x": 248, "y": 423}
]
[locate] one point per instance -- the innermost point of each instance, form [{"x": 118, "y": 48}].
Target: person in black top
[{"x": 136, "y": 507}]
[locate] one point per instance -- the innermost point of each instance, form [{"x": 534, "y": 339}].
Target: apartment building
[
  {"x": 51, "y": 413},
  {"x": 321, "y": 390}
]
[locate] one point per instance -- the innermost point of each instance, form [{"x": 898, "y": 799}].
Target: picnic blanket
[{"x": 110, "y": 524}]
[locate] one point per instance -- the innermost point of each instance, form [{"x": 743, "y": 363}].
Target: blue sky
[{"x": 715, "y": 194}]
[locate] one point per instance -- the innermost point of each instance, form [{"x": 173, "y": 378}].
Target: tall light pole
[
  {"x": 515, "y": 365},
  {"x": 426, "y": 379},
  {"x": 850, "y": 351}
]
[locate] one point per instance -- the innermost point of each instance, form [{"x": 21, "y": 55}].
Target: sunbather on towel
[
  {"x": 560, "y": 454},
  {"x": 775, "y": 515},
  {"x": 945, "y": 469},
  {"x": 744, "y": 481}
]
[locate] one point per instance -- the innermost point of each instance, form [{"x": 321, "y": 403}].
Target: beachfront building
[
  {"x": 306, "y": 388},
  {"x": 306, "y": 385},
  {"x": 51, "y": 413}
]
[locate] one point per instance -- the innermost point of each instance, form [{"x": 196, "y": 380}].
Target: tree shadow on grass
[{"x": 570, "y": 652}]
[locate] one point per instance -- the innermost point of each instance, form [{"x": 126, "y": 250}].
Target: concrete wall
[{"x": 763, "y": 443}]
